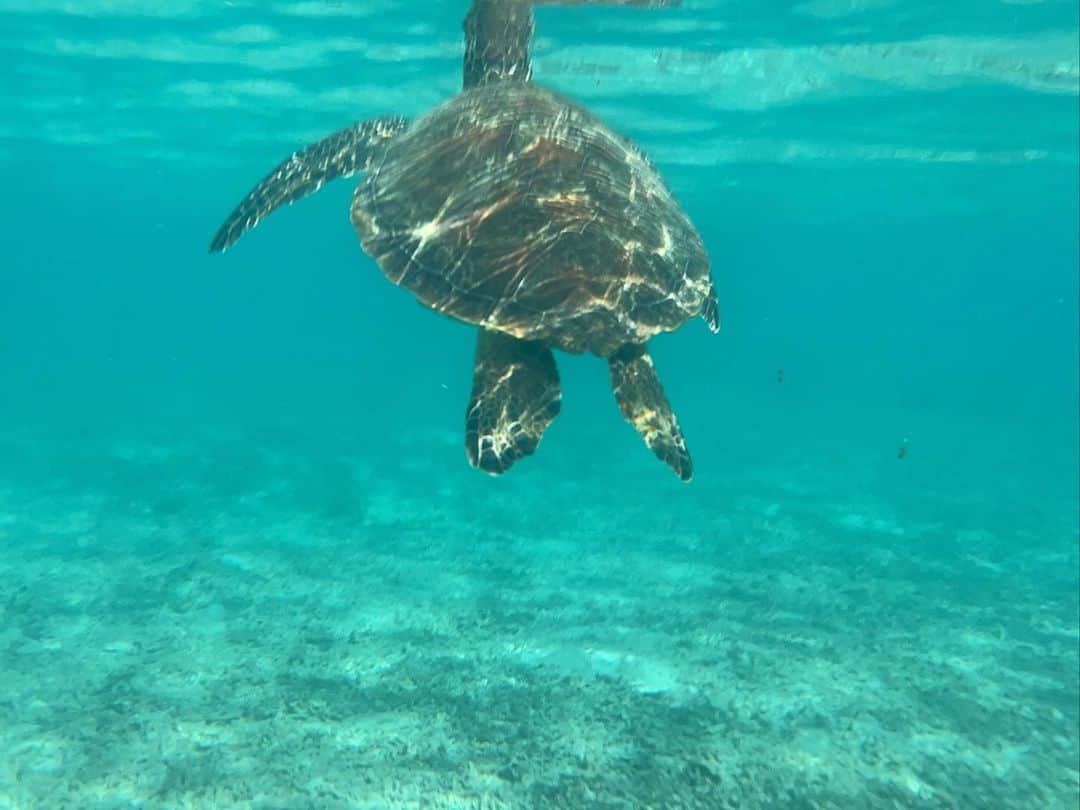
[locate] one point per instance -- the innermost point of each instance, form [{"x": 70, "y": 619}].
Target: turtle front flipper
[
  {"x": 344, "y": 153},
  {"x": 515, "y": 396},
  {"x": 642, "y": 401}
]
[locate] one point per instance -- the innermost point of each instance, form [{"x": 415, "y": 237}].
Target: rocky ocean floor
[{"x": 250, "y": 623}]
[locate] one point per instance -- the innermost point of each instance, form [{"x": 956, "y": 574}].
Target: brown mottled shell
[{"x": 514, "y": 209}]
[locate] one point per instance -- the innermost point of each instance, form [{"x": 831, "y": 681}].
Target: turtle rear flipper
[
  {"x": 642, "y": 401},
  {"x": 344, "y": 153},
  {"x": 515, "y": 396}
]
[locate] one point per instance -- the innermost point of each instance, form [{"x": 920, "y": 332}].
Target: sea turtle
[{"x": 515, "y": 210}]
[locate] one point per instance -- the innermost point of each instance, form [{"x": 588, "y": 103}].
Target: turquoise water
[{"x": 245, "y": 562}]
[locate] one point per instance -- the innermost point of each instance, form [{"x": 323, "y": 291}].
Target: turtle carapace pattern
[{"x": 515, "y": 210}]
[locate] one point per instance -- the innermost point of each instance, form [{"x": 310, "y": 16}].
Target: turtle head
[
  {"x": 498, "y": 34},
  {"x": 497, "y": 37}
]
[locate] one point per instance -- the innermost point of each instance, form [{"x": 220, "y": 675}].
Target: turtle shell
[{"x": 511, "y": 208}]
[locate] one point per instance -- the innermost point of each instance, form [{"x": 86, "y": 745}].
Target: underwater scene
[{"x": 614, "y": 405}]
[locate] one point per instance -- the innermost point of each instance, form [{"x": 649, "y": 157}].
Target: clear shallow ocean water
[{"x": 245, "y": 564}]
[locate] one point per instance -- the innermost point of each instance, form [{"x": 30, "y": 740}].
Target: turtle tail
[{"x": 342, "y": 154}]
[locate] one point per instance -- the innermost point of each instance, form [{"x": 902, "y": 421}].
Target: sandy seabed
[{"x": 256, "y": 626}]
